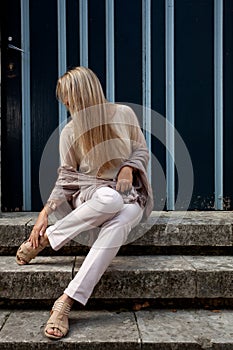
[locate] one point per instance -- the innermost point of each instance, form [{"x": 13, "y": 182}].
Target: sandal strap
[
  {"x": 61, "y": 307},
  {"x": 58, "y": 325},
  {"x": 57, "y": 321}
]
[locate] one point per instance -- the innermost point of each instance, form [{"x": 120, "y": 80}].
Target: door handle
[{"x": 13, "y": 47}]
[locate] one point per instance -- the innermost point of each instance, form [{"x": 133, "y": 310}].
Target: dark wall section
[
  {"x": 194, "y": 88},
  {"x": 96, "y": 36},
  {"x": 72, "y": 33},
  {"x": 44, "y": 74},
  {"x": 228, "y": 104},
  {"x": 128, "y": 56},
  {"x": 11, "y": 120}
]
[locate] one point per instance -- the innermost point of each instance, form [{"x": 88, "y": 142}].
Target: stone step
[
  {"x": 192, "y": 233},
  {"x": 127, "y": 278},
  {"x": 105, "y": 330}
]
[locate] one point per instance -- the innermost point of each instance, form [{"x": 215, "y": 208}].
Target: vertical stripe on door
[
  {"x": 110, "y": 50},
  {"x": 218, "y": 102},
  {"x": 170, "y": 105},
  {"x": 62, "y": 65},
  {"x": 26, "y": 106},
  {"x": 83, "y": 24},
  {"x": 146, "y": 74}
]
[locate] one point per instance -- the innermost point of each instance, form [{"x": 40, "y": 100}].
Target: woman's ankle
[
  {"x": 44, "y": 240},
  {"x": 67, "y": 299}
]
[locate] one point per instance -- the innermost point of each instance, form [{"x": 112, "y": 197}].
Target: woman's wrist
[
  {"x": 46, "y": 210},
  {"x": 128, "y": 167}
]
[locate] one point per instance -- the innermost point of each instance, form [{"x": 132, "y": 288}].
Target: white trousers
[{"x": 105, "y": 210}]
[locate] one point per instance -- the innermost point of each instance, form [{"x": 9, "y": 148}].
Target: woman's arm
[
  {"x": 67, "y": 157},
  {"x": 139, "y": 157}
]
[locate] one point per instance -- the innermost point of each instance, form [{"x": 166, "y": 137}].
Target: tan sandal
[
  {"x": 57, "y": 321},
  {"x": 26, "y": 253}
]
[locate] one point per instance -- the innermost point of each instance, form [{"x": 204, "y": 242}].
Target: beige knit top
[
  {"x": 77, "y": 170},
  {"x": 122, "y": 118}
]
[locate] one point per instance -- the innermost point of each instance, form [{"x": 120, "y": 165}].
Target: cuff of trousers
[
  {"x": 51, "y": 239},
  {"x": 75, "y": 296}
]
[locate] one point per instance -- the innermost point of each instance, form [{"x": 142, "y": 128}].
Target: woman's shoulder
[
  {"x": 68, "y": 127},
  {"x": 125, "y": 113},
  {"x": 67, "y": 132},
  {"x": 119, "y": 107}
]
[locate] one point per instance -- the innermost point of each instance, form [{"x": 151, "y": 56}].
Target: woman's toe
[
  {"x": 21, "y": 261},
  {"x": 57, "y": 332},
  {"x": 50, "y": 331},
  {"x": 54, "y": 331}
]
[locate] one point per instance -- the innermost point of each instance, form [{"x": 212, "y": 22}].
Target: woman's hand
[
  {"x": 39, "y": 229},
  {"x": 124, "y": 179}
]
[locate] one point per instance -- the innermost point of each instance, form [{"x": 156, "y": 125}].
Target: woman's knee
[
  {"x": 109, "y": 199},
  {"x": 129, "y": 216}
]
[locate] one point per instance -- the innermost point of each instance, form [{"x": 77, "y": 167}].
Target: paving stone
[
  {"x": 13, "y": 231},
  {"x": 185, "y": 329},
  {"x": 3, "y": 317},
  {"x": 105, "y": 327},
  {"x": 214, "y": 275},
  {"x": 95, "y": 330},
  {"x": 145, "y": 277},
  {"x": 44, "y": 278},
  {"x": 160, "y": 329},
  {"x": 217, "y": 326},
  {"x": 103, "y": 330}
]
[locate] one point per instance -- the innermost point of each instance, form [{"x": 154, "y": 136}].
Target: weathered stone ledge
[
  {"x": 164, "y": 230},
  {"x": 127, "y": 277},
  {"x": 104, "y": 330}
]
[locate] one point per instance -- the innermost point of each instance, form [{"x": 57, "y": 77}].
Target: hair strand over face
[{"x": 80, "y": 91}]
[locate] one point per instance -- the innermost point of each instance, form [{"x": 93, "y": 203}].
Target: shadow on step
[{"x": 126, "y": 305}]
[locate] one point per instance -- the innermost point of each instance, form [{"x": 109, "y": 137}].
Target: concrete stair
[
  {"x": 104, "y": 330},
  {"x": 172, "y": 288},
  {"x": 128, "y": 277},
  {"x": 199, "y": 233}
]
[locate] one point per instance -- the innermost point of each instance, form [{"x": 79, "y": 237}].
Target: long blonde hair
[{"x": 80, "y": 89}]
